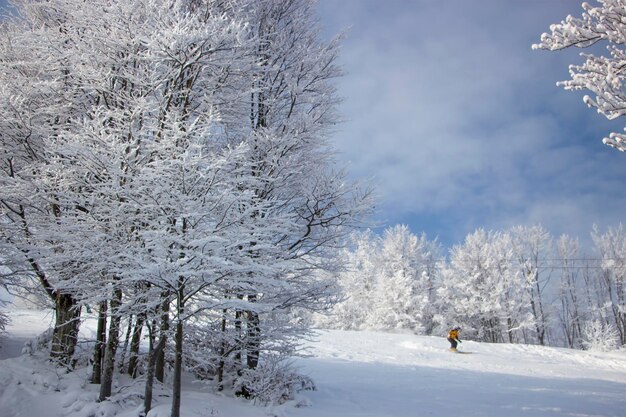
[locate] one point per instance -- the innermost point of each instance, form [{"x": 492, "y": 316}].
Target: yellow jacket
[{"x": 454, "y": 334}]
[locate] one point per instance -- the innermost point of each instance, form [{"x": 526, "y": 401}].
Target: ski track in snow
[{"x": 365, "y": 374}]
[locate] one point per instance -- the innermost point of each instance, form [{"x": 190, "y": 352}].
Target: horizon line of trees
[{"x": 521, "y": 285}]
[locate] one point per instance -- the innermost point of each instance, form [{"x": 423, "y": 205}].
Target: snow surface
[{"x": 367, "y": 374}]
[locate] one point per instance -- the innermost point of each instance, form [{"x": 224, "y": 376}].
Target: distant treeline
[{"x": 516, "y": 286}]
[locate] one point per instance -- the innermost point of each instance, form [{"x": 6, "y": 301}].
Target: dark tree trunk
[
  {"x": 67, "y": 312},
  {"x": 65, "y": 334},
  {"x": 98, "y": 352},
  {"x": 253, "y": 342},
  {"x": 111, "y": 347},
  {"x": 152, "y": 357},
  {"x": 239, "y": 336},
  {"x": 164, "y": 328},
  {"x": 538, "y": 325},
  {"x": 178, "y": 369},
  {"x": 220, "y": 367},
  {"x": 509, "y": 330},
  {"x": 134, "y": 346}
]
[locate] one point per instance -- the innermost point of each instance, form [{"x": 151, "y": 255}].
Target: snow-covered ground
[{"x": 357, "y": 374}]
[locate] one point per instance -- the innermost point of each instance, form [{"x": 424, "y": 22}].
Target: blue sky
[{"x": 461, "y": 125}]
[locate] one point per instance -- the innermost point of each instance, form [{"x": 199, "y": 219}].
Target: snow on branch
[{"x": 603, "y": 76}]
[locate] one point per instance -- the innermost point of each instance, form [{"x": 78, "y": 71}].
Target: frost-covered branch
[{"x": 601, "y": 75}]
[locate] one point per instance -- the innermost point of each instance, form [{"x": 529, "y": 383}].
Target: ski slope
[
  {"x": 376, "y": 374},
  {"x": 365, "y": 374}
]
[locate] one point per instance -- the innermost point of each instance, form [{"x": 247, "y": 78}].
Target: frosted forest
[
  {"x": 166, "y": 164},
  {"x": 517, "y": 286},
  {"x": 168, "y": 181}
]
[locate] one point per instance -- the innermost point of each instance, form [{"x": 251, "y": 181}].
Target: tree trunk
[
  {"x": 98, "y": 352},
  {"x": 239, "y": 338},
  {"x": 111, "y": 347},
  {"x": 537, "y": 323},
  {"x": 536, "y": 308},
  {"x": 220, "y": 367},
  {"x": 152, "y": 357},
  {"x": 542, "y": 316},
  {"x": 129, "y": 329},
  {"x": 67, "y": 313},
  {"x": 65, "y": 334},
  {"x": 253, "y": 342},
  {"x": 178, "y": 369},
  {"x": 164, "y": 328},
  {"x": 509, "y": 329},
  {"x": 134, "y": 346}
]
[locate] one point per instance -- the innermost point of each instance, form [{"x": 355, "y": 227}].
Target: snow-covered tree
[
  {"x": 171, "y": 161},
  {"x": 290, "y": 112},
  {"x": 571, "y": 310},
  {"x": 599, "y": 335},
  {"x": 532, "y": 246},
  {"x": 471, "y": 291},
  {"x": 611, "y": 247},
  {"x": 602, "y": 75},
  {"x": 404, "y": 294},
  {"x": 484, "y": 290},
  {"x": 36, "y": 107},
  {"x": 388, "y": 282},
  {"x": 357, "y": 281}
]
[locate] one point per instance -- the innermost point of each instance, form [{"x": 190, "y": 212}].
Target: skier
[{"x": 453, "y": 338}]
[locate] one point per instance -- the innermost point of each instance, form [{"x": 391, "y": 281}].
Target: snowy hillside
[{"x": 357, "y": 374}]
